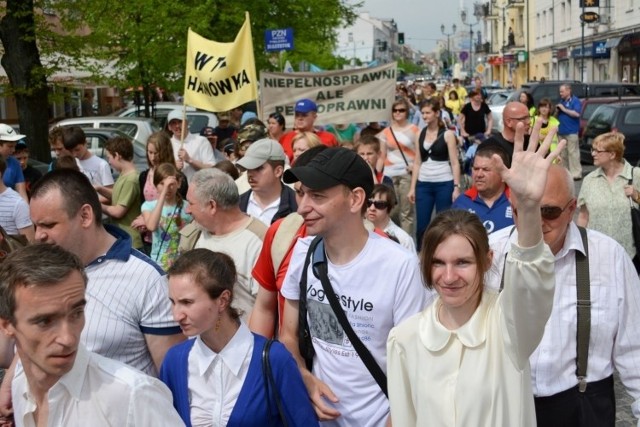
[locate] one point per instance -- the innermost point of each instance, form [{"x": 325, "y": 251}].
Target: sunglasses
[
  {"x": 378, "y": 204},
  {"x": 399, "y": 110},
  {"x": 553, "y": 212}
]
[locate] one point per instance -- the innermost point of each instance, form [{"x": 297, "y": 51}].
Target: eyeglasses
[
  {"x": 399, "y": 110},
  {"x": 553, "y": 212},
  {"x": 521, "y": 119},
  {"x": 595, "y": 151},
  {"x": 378, "y": 204}
]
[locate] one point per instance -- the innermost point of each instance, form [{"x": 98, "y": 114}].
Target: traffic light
[{"x": 400, "y": 38}]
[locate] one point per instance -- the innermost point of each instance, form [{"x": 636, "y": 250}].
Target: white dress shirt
[
  {"x": 98, "y": 392},
  {"x": 266, "y": 214},
  {"x": 615, "y": 315},
  {"x": 215, "y": 379}
]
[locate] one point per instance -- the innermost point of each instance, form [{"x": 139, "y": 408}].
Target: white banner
[{"x": 344, "y": 96}]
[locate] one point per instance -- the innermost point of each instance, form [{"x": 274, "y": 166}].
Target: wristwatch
[{"x": 456, "y": 185}]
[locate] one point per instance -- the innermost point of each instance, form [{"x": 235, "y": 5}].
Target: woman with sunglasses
[
  {"x": 397, "y": 144},
  {"x": 603, "y": 202},
  {"x": 222, "y": 376},
  {"x": 435, "y": 181},
  {"x": 464, "y": 360},
  {"x": 380, "y": 205},
  {"x": 275, "y": 126}
]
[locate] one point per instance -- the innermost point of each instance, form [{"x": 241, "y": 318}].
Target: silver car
[{"x": 137, "y": 128}]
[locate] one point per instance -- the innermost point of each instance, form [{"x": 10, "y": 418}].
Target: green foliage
[{"x": 144, "y": 41}]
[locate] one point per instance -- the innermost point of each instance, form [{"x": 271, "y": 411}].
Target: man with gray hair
[
  {"x": 596, "y": 286},
  {"x": 57, "y": 380},
  {"x": 221, "y": 226}
]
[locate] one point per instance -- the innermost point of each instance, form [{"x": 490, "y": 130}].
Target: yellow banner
[
  {"x": 220, "y": 76},
  {"x": 345, "y": 96}
]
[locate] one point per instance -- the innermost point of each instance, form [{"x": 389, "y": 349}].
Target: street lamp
[
  {"x": 453, "y": 31},
  {"x": 463, "y": 16}
]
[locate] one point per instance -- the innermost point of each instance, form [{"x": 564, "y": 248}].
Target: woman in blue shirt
[{"x": 222, "y": 378}]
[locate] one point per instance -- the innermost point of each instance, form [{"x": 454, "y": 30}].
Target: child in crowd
[
  {"x": 95, "y": 168},
  {"x": 125, "y": 197},
  {"x": 165, "y": 216},
  {"x": 368, "y": 147}
]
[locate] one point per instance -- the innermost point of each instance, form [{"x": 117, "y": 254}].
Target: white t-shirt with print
[
  {"x": 97, "y": 170},
  {"x": 378, "y": 289}
]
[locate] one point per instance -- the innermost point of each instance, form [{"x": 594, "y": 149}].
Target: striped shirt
[
  {"x": 127, "y": 298},
  {"x": 14, "y": 212}
]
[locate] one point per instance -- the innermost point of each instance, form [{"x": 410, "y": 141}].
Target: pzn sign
[{"x": 589, "y": 17}]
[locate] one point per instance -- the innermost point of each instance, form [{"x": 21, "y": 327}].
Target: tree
[
  {"x": 142, "y": 43},
  {"x": 27, "y": 77}
]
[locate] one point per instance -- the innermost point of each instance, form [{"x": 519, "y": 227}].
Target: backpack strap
[
  {"x": 284, "y": 238},
  {"x": 321, "y": 268},
  {"x": 305, "y": 345}
]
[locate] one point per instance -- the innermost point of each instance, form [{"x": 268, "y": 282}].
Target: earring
[{"x": 217, "y": 327}]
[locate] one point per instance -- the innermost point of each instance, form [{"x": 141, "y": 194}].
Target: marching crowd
[{"x": 421, "y": 272}]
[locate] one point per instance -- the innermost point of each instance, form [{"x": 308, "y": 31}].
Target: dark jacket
[{"x": 288, "y": 202}]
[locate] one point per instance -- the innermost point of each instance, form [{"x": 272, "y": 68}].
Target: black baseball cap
[{"x": 331, "y": 167}]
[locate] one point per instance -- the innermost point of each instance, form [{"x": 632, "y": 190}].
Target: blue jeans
[{"x": 429, "y": 194}]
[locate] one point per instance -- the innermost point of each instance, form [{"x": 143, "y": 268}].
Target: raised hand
[
  {"x": 527, "y": 179},
  {"x": 527, "y": 176}
]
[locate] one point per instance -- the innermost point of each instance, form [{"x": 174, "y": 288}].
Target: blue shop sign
[
  {"x": 577, "y": 52},
  {"x": 600, "y": 49}
]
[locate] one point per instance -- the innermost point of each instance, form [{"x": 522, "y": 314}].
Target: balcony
[
  {"x": 483, "y": 47},
  {"x": 489, "y": 11},
  {"x": 515, "y": 3}
]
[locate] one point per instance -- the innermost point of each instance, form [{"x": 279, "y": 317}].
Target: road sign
[
  {"x": 480, "y": 68},
  {"x": 279, "y": 39},
  {"x": 589, "y": 17},
  {"x": 464, "y": 55}
]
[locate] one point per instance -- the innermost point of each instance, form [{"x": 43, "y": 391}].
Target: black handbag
[{"x": 635, "y": 217}]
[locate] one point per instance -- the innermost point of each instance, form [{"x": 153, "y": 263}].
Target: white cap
[
  {"x": 7, "y": 133},
  {"x": 174, "y": 115}
]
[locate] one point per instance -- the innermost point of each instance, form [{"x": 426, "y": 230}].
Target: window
[
  {"x": 632, "y": 117},
  {"x": 127, "y": 128}
]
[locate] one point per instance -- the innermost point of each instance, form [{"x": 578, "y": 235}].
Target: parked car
[
  {"x": 549, "y": 89},
  {"x": 590, "y": 105},
  {"x": 97, "y": 138},
  {"x": 498, "y": 97},
  {"x": 197, "y": 118},
  {"x": 138, "y": 128},
  {"x": 624, "y": 118}
]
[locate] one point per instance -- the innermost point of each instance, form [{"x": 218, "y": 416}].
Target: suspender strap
[
  {"x": 584, "y": 312},
  {"x": 320, "y": 267}
]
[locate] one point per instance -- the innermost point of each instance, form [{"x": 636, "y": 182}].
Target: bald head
[
  {"x": 558, "y": 199},
  {"x": 513, "y": 113}
]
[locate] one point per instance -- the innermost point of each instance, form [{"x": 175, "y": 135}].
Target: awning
[{"x": 613, "y": 42}]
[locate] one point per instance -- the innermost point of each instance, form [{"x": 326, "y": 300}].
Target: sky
[{"x": 420, "y": 20}]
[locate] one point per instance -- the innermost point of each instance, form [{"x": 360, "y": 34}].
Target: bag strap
[
  {"x": 284, "y": 239},
  {"x": 269, "y": 382},
  {"x": 399, "y": 146},
  {"x": 304, "y": 335},
  {"x": 320, "y": 266},
  {"x": 584, "y": 311}
]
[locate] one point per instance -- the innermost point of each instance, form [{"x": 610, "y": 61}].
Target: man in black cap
[{"x": 376, "y": 280}]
